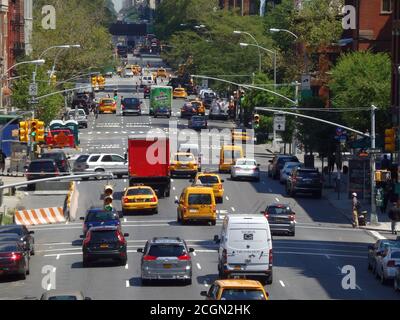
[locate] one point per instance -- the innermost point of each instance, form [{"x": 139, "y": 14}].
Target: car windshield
[
  {"x": 63, "y": 298},
  {"x": 198, "y": 119},
  {"x": 101, "y": 216},
  {"x": 279, "y": 210},
  {"x": 288, "y": 159},
  {"x": 199, "y": 198},
  {"x": 207, "y": 180},
  {"x": 130, "y": 101},
  {"x": 188, "y": 149},
  {"x": 184, "y": 157},
  {"x": 139, "y": 192},
  {"x": 55, "y": 156},
  {"x": 107, "y": 101},
  {"x": 8, "y": 247},
  {"x": 196, "y": 104},
  {"x": 245, "y": 163},
  {"x": 103, "y": 235},
  {"x": 242, "y": 294},
  {"x": 45, "y": 166},
  {"x": 166, "y": 250},
  {"x": 236, "y": 154}
]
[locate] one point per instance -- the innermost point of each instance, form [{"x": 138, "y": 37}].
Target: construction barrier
[{"x": 39, "y": 216}]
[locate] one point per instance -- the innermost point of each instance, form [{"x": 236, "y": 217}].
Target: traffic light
[
  {"x": 39, "y": 131},
  {"x": 108, "y": 197},
  {"x": 390, "y": 140},
  {"x": 33, "y": 124},
  {"x": 23, "y": 131},
  {"x": 94, "y": 81},
  {"x": 256, "y": 120},
  {"x": 53, "y": 79}
]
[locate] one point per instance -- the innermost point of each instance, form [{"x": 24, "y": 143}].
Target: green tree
[{"x": 359, "y": 80}]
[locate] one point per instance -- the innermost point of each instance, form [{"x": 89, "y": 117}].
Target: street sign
[
  {"x": 279, "y": 123},
  {"x": 305, "y": 82},
  {"x": 33, "y": 89},
  {"x": 33, "y": 101}
]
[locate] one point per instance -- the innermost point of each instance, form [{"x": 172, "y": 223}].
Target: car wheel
[
  {"x": 23, "y": 275},
  {"x": 145, "y": 282},
  {"x": 31, "y": 187},
  {"x": 213, "y": 222},
  {"x": 99, "y": 171},
  {"x": 123, "y": 114},
  {"x": 119, "y": 176},
  {"x": 122, "y": 262},
  {"x": 28, "y": 271}
]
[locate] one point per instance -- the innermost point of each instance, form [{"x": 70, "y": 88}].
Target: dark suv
[
  {"x": 131, "y": 106},
  {"x": 60, "y": 158},
  {"x": 304, "y": 181},
  {"x": 277, "y": 163},
  {"x": 107, "y": 242},
  {"x": 41, "y": 169}
]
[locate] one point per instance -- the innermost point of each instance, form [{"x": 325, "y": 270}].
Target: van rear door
[{"x": 248, "y": 248}]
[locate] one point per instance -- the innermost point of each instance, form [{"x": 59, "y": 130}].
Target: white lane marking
[
  {"x": 227, "y": 198},
  {"x": 176, "y": 197},
  {"x": 327, "y": 256},
  {"x": 198, "y": 266},
  {"x": 233, "y": 209},
  {"x": 58, "y": 257},
  {"x": 377, "y": 235},
  {"x": 125, "y": 220},
  {"x": 281, "y": 282},
  {"x": 125, "y": 180},
  {"x": 172, "y": 180},
  {"x": 277, "y": 199},
  {"x": 194, "y": 253},
  {"x": 173, "y": 188},
  {"x": 205, "y": 284},
  {"x": 126, "y": 266},
  {"x": 127, "y": 284},
  {"x": 48, "y": 287},
  {"x": 79, "y": 182}
]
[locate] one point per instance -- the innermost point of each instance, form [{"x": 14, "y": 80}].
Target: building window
[{"x": 386, "y": 6}]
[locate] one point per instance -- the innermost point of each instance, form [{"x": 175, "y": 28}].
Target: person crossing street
[{"x": 356, "y": 206}]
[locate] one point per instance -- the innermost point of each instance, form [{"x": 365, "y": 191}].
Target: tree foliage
[{"x": 359, "y": 80}]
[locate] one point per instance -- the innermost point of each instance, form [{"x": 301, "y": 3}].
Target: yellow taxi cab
[
  {"x": 199, "y": 106},
  {"x": 139, "y": 198},
  {"x": 236, "y": 289},
  {"x": 183, "y": 164},
  {"x": 162, "y": 73},
  {"x": 241, "y": 135},
  {"x": 197, "y": 203},
  {"x": 227, "y": 156},
  {"x": 107, "y": 105},
  {"x": 180, "y": 93},
  {"x": 136, "y": 69},
  {"x": 211, "y": 180}
]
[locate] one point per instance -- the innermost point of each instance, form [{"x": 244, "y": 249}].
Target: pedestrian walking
[
  {"x": 331, "y": 163},
  {"x": 385, "y": 163},
  {"x": 380, "y": 199},
  {"x": 356, "y": 206},
  {"x": 2, "y": 161},
  {"x": 394, "y": 216}
]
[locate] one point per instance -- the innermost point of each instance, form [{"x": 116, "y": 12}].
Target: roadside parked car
[
  {"x": 60, "y": 159},
  {"x": 106, "y": 242},
  {"x": 14, "y": 260},
  {"x": 376, "y": 249},
  {"x": 304, "y": 180},
  {"x": 281, "y": 218},
  {"x": 287, "y": 170},
  {"x": 166, "y": 258},
  {"x": 386, "y": 263},
  {"x": 245, "y": 169},
  {"x": 13, "y": 237},
  {"x": 96, "y": 217},
  {"x": 101, "y": 162},
  {"x": 64, "y": 295},
  {"x": 277, "y": 163},
  {"x": 23, "y": 232}
]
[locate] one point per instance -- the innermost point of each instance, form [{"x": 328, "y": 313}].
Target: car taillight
[
  {"x": 184, "y": 257},
  {"x": 270, "y": 256},
  {"x": 220, "y": 186},
  {"x": 15, "y": 256},
  {"x": 122, "y": 106},
  {"x": 63, "y": 163},
  {"x": 391, "y": 264},
  {"x": 149, "y": 258},
  {"x": 291, "y": 217},
  {"x": 214, "y": 207},
  {"x": 266, "y": 214},
  {"x": 154, "y": 199},
  {"x": 87, "y": 239},
  {"x": 57, "y": 173},
  {"x": 126, "y": 200},
  {"x": 121, "y": 239}
]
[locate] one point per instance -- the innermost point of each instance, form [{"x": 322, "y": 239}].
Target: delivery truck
[
  {"x": 148, "y": 162},
  {"x": 160, "y": 101}
]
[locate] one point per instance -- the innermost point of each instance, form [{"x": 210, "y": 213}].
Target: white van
[
  {"x": 147, "y": 80},
  {"x": 245, "y": 247},
  {"x": 192, "y": 148}
]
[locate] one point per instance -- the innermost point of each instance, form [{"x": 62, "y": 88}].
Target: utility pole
[
  {"x": 374, "y": 216},
  {"x": 294, "y": 139}
]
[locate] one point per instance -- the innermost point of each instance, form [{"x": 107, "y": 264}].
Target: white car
[
  {"x": 287, "y": 169},
  {"x": 128, "y": 73},
  {"x": 245, "y": 169},
  {"x": 386, "y": 264}
]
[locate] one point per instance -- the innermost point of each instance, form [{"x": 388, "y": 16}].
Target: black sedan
[
  {"x": 13, "y": 237},
  {"x": 104, "y": 243},
  {"x": 24, "y": 234},
  {"x": 14, "y": 260},
  {"x": 281, "y": 218}
]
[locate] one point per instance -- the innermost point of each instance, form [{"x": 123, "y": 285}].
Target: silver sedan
[{"x": 245, "y": 169}]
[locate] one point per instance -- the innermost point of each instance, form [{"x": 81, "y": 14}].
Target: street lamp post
[
  {"x": 243, "y": 44},
  {"x": 258, "y": 45},
  {"x": 374, "y": 217}
]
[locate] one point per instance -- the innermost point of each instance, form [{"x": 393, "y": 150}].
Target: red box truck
[{"x": 148, "y": 162}]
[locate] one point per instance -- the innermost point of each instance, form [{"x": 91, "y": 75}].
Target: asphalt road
[{"x": 307, "y": 266}]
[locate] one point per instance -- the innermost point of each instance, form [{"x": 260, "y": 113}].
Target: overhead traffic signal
[
  {"x": 108, "y": 197},
  {"x": 390, "y": 140},
  {"x": 256, "y": 120},
  {"x": 53, "y": 79},
  {"x": 39, "y": 131},
  {"x": 33, "y": 124},
  {"x": 24, "y": 131}
]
